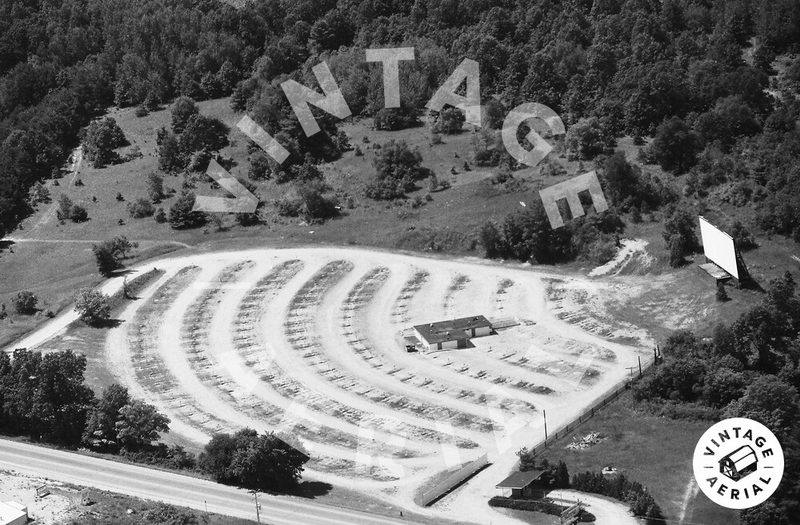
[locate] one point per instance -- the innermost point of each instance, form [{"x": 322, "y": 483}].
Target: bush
[
  {"x": 163, "y": 513},
  {"x": 78, "y": 213},
  {"x": 620, "y": 488},
  {"x": 449, "y": 121},
  {"x": 259, "y": 167},
  {"x": 316, "y": 207},
  {"x": 140, "y": 208},
  {"x": 25, "y": 302},
  {"x": 721, "y": 294},
  {"x": 288, "y": 207},
  {"x": 398, "y": 168},
  {"x": 92, "y": 306},
  {"x": 393, "y": 119},
  {"x": 160, "y": 216},
  {"x": 544, "y": 506},
  {"x": 742, "y": 237},
  {"x": 155, "y": 187},
  {"x": 173, "y": 457},
  {"x": 181, "y": 215}
]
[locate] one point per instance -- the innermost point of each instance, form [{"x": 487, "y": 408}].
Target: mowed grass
[
  {"x": 108, "y": 507},
  {"x": 55, "y": 270},
  {"x": 654, "y": 451}
]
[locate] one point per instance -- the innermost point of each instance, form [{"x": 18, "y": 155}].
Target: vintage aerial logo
[{"x": 738, "y": 463}]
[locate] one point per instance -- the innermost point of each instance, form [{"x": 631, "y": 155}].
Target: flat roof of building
[
  {"x": 451, "y": 330},
  {"x": 519, "y": 479},
  {"x": 11, "y": 510}
]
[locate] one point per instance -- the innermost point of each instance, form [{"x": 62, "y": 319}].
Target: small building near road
[
  {"x": 454, "y": 333},
  {"x": 13, "y": 513},
  {"x": 521, "y": 485}
]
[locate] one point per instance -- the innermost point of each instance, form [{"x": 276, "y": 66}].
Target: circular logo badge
[{"x": 738, "y": 463}]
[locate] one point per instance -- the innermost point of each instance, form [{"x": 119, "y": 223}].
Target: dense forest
[{"x": 675, "y": 70}]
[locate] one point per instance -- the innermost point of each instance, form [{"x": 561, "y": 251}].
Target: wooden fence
[
  {"x": 588, "y": 413},
  {"x": 450, "y": 482}
]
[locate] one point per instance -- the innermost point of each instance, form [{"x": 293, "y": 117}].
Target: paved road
[{"x": 174, "y": 488}]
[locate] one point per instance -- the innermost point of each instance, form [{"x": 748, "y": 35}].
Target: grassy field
[
  {"x": 108, "y": 507},
  {"x": 652, "y": 450},
  {"x": 54, "y": 270}
]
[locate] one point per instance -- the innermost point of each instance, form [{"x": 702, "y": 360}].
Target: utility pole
[
  {"x": 258, "y": 507},
  {"x": 544, "y": 415},
  {"x": 640, "y": 364}
]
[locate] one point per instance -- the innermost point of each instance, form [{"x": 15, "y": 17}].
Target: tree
[
  {"x": 561, "y": 476},
  {"x": 141, "y": 208},
  {"x": 170, "y": 157},
  {"x": 586, "y": 139},
  {"x": 680, "y": 236},
  {"x": 722, "y": 386},
  {"x": 675, "y": 146},
  {"x": 155, "y": 187},
  {"x": 491, "y": 240},
  {"x": 183, "y": 110},
  {"x": 494, "y": 113},
  {"x": 250, "y": 460},
  {"x": 677, "y": 250},
  {"x": 527, "y": 459},
  {"x": 730, "y": 119},
  {"x": 64, "y": 210},
  {"x": 25, "y": 302},
  {"x": 110, "y": 253},
  {"x": 101, "y": 428},
  {"x": 107, "y": 262},
  {"x": 181, "y": 215},
  {"x": 61, "y": 399},
  {"x": 102, "y": 138},
  {"x": 139, "y": 424},
  {"x": 92, "y": 307},
  {"x": 203, "y": 133},
  {"x": 769, "y": 401}
]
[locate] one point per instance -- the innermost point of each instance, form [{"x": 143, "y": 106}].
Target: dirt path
[
  {"x": 606, "y": 510},
  {"x": 73, "y": 167}
]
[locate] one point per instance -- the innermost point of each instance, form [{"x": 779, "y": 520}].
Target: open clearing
[{"x": 308, "y": 342}]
